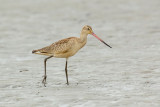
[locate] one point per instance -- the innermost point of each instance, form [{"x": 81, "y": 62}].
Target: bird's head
[{"x": 88, "y": 30}]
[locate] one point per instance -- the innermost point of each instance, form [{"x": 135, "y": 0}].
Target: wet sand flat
[{"x": 127, "y": 75}]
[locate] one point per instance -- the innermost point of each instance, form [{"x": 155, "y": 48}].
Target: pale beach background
[{"x": 128, "y": 75}]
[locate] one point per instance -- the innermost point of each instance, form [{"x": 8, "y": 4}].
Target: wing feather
[{"x": 61, "y": 46}]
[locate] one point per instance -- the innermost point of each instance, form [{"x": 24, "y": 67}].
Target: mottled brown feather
[
  {"x": 62, "y": 46},
  {"x": 66, "y": 48}
]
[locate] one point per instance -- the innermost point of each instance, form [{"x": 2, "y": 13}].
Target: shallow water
[{"x": 126, "y": 75}]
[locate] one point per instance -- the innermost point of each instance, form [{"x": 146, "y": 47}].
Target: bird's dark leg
[
  {"x": 66, "y": 72},
  {"x": 45, "y": 76}
]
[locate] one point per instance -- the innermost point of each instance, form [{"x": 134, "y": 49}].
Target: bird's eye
[{"x": 88, "y": 28}]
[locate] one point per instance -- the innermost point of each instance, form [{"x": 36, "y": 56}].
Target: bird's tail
[
  {"x": 34, "y": 51},
  {"x": 38, "y": 51}
]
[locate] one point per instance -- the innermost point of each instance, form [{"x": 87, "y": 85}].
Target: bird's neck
[{"x": 83, "y": 37}]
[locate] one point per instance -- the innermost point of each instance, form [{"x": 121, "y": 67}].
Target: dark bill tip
[
  {"x": 106, "y": 43},
  {"x": 100, "y": 39}
]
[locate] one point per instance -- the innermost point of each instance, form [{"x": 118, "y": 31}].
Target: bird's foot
[
  {"x": 44, "y": 80},
  {"x": 67, "y": 83}
]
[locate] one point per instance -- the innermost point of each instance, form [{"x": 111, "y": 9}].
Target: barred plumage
[{"x": 66, "y": 48}]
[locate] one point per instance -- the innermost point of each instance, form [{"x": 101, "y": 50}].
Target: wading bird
[{"x": 66, "y": 48}]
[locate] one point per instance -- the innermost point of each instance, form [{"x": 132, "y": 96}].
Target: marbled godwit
[{"x": 66, "y": 48}]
